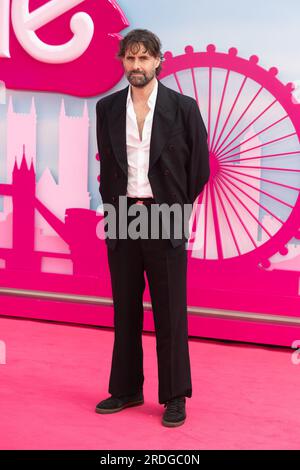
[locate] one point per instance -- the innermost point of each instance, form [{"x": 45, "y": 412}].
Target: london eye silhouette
[{"x": 249, "y": 209}]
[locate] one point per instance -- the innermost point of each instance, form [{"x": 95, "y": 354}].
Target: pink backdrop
[{"x": 243, "y": 275}]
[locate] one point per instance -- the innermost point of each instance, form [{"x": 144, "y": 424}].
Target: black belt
[{"x": 141, "y": 200}]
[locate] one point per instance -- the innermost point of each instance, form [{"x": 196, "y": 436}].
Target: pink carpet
[{"x": 244, "y": 396}]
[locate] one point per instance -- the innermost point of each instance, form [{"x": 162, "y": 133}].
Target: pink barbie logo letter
[{"x": 46, "y": 46}]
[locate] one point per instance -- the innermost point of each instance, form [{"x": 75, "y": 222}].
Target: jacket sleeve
[
  {"x": 99, "y": 124},
  {"x": 198, "y": 170},
  {"x": 99, "y": 134}
]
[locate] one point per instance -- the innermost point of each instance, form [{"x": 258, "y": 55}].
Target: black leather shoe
[
  {"x": 114, "y": 404},
  {"x": 175, "y": 413}
]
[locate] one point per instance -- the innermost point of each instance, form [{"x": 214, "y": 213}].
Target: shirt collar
[{"x": 151, "y": 100}]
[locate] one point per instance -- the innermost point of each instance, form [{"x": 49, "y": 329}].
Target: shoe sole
[
  {"x": 104, "y": 411},
  {"x": 170, "y": 424}
]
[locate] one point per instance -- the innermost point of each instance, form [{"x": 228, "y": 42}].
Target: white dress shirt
[{"x": 138, "y": 151}]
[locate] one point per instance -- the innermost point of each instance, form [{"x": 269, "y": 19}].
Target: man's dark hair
[{"x": 149, "y": 40}]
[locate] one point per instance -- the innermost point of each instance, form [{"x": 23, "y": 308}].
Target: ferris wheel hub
[{"x": 214, "y": 164}]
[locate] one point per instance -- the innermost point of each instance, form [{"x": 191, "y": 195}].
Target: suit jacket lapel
[
  {"x": 163, "y": 120},
  {"x": 117, "y": 129}
]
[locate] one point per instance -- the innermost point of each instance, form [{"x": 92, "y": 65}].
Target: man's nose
[{"x": 137, "y": 65}]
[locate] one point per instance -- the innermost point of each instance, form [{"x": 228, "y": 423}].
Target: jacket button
[
  {"x": 171, "y": 147},
  {"x": 166, "y": 172},
  {"x": 113, "y": 198},
  {"x": 116, "y": 175}
]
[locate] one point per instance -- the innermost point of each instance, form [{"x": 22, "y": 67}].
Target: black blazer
[{"x": 179, "y": 159}]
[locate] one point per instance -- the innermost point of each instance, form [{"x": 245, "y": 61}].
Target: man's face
[{"x": 139, "y": 66}]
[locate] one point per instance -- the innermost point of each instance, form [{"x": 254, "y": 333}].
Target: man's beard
[{"x": 140, "y": 81}]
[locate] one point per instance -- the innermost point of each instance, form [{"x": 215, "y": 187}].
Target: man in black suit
[{"x": 153, "y": 151}]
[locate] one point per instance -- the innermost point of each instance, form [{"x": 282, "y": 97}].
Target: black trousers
[{"x": 166, "y": 269}]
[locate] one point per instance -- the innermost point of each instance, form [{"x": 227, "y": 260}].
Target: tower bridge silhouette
[{"x": 78, "y": 230}]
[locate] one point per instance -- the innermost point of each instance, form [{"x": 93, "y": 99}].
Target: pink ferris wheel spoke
[
  {"x": 196, "y": 215},
  {"x": 260, "y": 157},
  {"x": 224, "y": 178},
  {"x": 196, "y": 209},
  {"x": 227, "y": 219},
  {"x": 272, "y": 168},
  {"x": 271, "y": 196},
  {"x": 205, "y": 221},
  {"x": 252, "y": 215},
  {"x": 220, "y": 107},
  {"x": 178, "y": 83},
  {"x": 206, "y": 226},
  {"x": 252, "y": 137},
  {"x": 194, "y": 218},
  {"x": 239, "y": 119},
  {"x": 221, "y": 183},
  {"x": 195, "y": 87},
  {"x": 248, "y": 126},
  {"x": 216, "y": 221},
  {"x": 259, "y": 146},
  {"x": 209, "y": 107},
  {"x": 229, "y": 114},
  {"x": 262, "y": 179},
  {"x": 254, "y": 200}
]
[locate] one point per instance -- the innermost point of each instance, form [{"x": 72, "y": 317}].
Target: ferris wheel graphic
[{"x": 250, "y": 208}]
